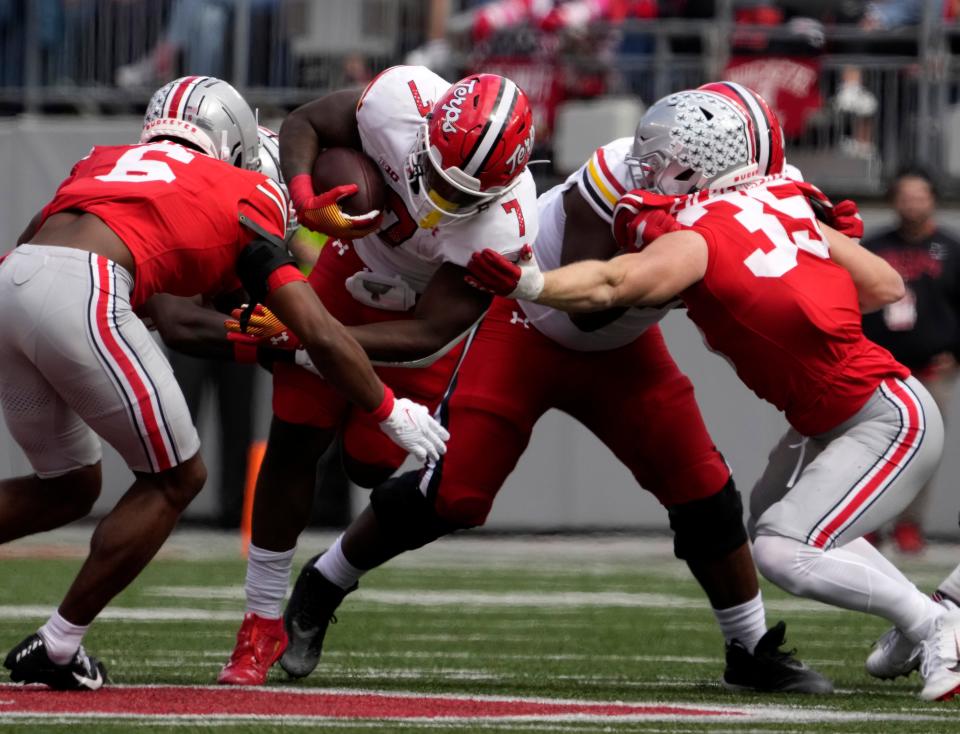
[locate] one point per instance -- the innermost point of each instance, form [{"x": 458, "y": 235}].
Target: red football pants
[{"x": 634, "y": 399}]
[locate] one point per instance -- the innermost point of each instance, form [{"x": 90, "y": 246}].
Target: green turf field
[{"x": 599, "y": 619}]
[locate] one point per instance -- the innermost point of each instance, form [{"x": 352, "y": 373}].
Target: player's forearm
[
  {"x": 335, "y": 354},
  {"x": 344, "y": 364},
  {"x": 590, "y": 285},
  {"x": 402, "y": 341},
  {"x": 189, "y": 328},
  {"x": 299, "y": 145},
  {"x": 876, "y": 281},
  {"x": 328, "y": 122}
]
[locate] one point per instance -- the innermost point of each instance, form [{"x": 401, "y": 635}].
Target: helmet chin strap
[{"x": 224, "y": 150}]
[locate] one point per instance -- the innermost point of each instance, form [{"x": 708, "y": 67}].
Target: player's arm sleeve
[
  {"x": 265, "y": 211},
  {"x": 265, "y": 264},
  {"x": 601, "y": 181}
]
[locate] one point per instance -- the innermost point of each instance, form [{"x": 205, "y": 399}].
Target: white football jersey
[
  {"x": 602, "y": 180},
  {"x": 390, "y": 114}
]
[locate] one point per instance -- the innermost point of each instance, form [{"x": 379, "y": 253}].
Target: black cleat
[
  {"x": 769, "y": 669},
  {"x": 308, "y": 614},
  {"x": 28, "y": 662}
]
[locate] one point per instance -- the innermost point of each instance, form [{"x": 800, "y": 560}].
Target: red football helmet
[{"x": 471, "y": 149}]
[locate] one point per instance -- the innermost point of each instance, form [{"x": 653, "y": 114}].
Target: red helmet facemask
[{"x": 471, "y": 150}]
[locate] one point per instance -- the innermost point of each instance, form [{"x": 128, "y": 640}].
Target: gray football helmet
[
  {"x": 209, "y": 113},
  {"x": 270, "y": 167},
  {"x": 719, "y": 135}
]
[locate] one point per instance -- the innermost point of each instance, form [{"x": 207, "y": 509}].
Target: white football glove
[{"x": 412, "y": 428}]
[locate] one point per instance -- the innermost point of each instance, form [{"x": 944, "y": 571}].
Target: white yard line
[{"x": 457, "y": 598}]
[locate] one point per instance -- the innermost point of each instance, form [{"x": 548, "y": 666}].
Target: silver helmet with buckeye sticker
[
  {"x": 716, "y": 136},
  {"x": 207, "y": 112}
]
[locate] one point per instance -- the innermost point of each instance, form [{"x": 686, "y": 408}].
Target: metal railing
[{"x": 106, "y": 56}]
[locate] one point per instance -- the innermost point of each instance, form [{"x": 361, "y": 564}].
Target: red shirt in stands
[
  {"x": 780, "y": 309},
  {"x": 177, "y": 211}
]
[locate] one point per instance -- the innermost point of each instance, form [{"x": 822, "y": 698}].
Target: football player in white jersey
[
  {"x": 454, "y": 160},
  {"x": 526, "y": 359}
]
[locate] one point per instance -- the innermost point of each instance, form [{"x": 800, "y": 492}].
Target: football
[{"x": 340, "y": 166}]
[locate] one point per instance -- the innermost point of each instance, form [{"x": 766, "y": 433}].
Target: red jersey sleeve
[{"x": 268, "y": 206}]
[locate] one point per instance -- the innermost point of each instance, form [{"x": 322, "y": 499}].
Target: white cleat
[
  {"x": 940, "y": 666},
  {"x": 893, "y": 655}
]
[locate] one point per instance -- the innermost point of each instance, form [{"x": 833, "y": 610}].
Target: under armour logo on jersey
[
  {"x": 279, "y": 338},
  {"x": 516, "y": 318},
  {"x": 341, "y": 247}
]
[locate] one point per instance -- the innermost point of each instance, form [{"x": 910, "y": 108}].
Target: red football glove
[
  {"x": 640, "y": 217},
  {"x": 492, "y": 272},
  {"x": 263, "y": 330},
  {"x": 847, "y": 220},
  {"x": 321, "y": 213},
  {"x": 843, "y": 216}
]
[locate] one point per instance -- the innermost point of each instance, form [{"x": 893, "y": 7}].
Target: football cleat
[
  {"x": 28, "y": 662},
  {"x": 309, "y": 612},
  {"x": 769, "y": 669},
  {"x": 893, "y": 655},
  {"x": 260, "y": 643},
  {"x": 940, "y": 664}
]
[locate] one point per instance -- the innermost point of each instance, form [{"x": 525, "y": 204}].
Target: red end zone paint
[{"x": 202, "y": 701}]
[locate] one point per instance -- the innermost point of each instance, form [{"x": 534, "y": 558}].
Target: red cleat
[
  {"x": 260, "y": 643},
  {"x": 909, "y": 538}
]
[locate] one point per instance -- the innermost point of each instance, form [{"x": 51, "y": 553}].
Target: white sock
[
  {"x": 62, "y": 638},
  {"x": 949, "y": 588},
  {"x": 268, "y": 573},
  {"x": 746, "y": 622},
  {"x": 336, "y": 568},
  {"x": 845, "y": 579}
]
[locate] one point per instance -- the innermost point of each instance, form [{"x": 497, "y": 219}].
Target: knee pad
[
  {"x": 405, "y": 515},
  {"x": 785, "y": 562},
  {"x": 710, "y": 527}
]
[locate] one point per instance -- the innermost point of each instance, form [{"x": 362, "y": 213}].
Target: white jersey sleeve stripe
[{"x": 280, "y": 203}]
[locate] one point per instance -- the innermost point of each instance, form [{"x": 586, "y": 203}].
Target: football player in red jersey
[
  {"x": 453, "y": 157},
  {"x": 180, "y": 213},
  {"x": 780, "y": 296},
  {"x": 526, "y": 359}
]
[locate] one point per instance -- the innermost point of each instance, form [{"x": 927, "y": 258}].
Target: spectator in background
[
  {"x": 922, "y": 330},
  {"x": 198, "y": 41}
]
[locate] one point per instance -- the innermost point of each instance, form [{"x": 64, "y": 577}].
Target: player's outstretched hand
[
  {"x": 640, "y": 217},
  {"x": 492, "y": 272},
  {"x": 264, "y": 329},
  {"x": 844, "y": 216},
  {"x": 322, "y": 212},
  {"x": 412, "y": 428}
]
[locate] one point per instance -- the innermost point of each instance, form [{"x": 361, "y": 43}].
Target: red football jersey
[
  {"x": 780, "y": 309},
  {"x": 177, "y": 211}
]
